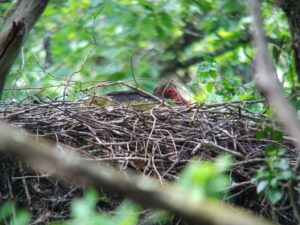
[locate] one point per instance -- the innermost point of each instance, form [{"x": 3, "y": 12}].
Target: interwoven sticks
[{"x": 158, "y": 142}]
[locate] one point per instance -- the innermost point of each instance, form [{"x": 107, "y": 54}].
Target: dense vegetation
[{"x": 204, "y": 46}]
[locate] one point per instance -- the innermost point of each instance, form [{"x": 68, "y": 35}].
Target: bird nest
[{"x": 158, "y": 142}]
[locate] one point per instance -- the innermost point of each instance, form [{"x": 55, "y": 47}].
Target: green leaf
[
  {"x": 277, "y": 135},
  {"x": 6, "y": 210},
  {"x": 202, "y": 179},
  {"x": 207, "y": 68},
  {"x": 127, "y": 214},
  {"x": 223, "y": 163},
  {"x": 22, "y": 218},
  {"x": 261, "y": 134},
  {"x": 272, "y": 150},
  {"x": 166, "y": 20},
  {"x": 275, "y": 195},
  {"x": 262, "y": 186}
]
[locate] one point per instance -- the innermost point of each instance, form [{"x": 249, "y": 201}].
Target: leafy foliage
[
  {"x": 205, "y": 179},
  {"x": 10, "y": 215},
  {"x": 84, "y": 212},
  {"x": 204, "y": 44},
  {"x": 276, "y": 171}
]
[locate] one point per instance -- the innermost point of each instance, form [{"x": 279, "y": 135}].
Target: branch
[
  {"x": 144, "y": 191},
  {"x": 15, "y": 32},
  {"x": 267, "y": 82},
  {"x": 11, "y": 39}
]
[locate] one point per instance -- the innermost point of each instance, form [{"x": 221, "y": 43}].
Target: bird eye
[{"x": 171, "y": 93}]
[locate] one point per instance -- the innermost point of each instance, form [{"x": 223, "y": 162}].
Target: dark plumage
[
  {"x": 165, "y": 91},
  {"x": 127, "y": 96},
  {"x": 136, "y": 96}
]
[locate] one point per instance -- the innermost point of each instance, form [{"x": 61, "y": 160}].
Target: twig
[
  {"x": 209, "y": 143},
  {"x": 67, "y": 164}
]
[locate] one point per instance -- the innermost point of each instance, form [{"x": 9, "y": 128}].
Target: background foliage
[{"x": 205, "y": 46}]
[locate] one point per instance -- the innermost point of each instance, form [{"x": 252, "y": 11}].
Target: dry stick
[
  {"x": 151, "y": 132},
  {"x": 144, "y": 191},
  {"x": 209, "y": 143},
  {"x": 267, "y": 82}
]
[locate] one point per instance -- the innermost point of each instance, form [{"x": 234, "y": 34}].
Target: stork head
[{"x": 170, "y": 92}]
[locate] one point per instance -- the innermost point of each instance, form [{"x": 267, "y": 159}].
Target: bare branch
[
  {"x": 144, "y": 191},
  {"x": 267, "y": 82}
]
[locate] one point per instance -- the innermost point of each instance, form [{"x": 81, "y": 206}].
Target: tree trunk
[{"x": 15, "y": 32}]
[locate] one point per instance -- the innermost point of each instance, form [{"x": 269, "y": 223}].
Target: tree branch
[
  {"x": 267, "y": 82},
  {"x": 15, "y": 32},
  {"x": 144, "y": 191}
]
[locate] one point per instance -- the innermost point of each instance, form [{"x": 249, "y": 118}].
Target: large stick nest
[{"x": 157, "y": 142}]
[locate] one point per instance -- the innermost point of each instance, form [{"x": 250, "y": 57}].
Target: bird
[
  {"x": 168, "y": 91},
  {"x": 140, "y": 100}
]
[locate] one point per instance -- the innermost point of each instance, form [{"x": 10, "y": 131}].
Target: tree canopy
[{"x": 205, "y": 46}]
